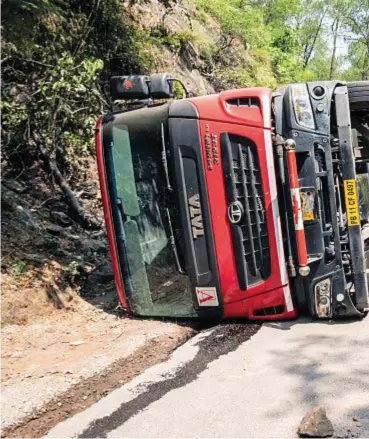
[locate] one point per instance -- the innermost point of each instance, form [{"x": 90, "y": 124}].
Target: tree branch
[
  {"x": 30, "y": 61},
  {"x": 85, "y": 219},
  {"x": 312, "y": 46}
]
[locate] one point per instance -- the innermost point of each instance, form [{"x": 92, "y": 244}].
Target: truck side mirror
[{"x": 130, "y": 87}]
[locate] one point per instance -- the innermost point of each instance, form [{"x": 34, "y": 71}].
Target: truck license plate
[
  {"x": 307, "y": 203},
  {"x": 352, "y": 206}
]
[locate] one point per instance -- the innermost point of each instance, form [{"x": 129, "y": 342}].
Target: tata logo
[
  {"x": 196, "y": 216},
  {"x": 235, "y": 212}
]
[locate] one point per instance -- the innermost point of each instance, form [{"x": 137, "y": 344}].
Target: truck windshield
[{"x": 147, "y": 218}]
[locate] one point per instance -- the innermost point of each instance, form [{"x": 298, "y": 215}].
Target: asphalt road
[{"x": 238, "y": 381}]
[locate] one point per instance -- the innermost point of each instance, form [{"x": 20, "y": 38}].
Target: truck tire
[{"x": 358, "y": 93}]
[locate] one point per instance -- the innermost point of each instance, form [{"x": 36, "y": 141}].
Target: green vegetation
[
  {"x": 58, "y": 56},
  {"x": 19, "y": 267},
  {"x": 51, "y": 243},
  {"x": 290, "y": 40}
]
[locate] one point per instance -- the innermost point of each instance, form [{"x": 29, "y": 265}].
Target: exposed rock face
[
  {"x": 316, "y": 424},
  {"x": 185, "y": 64}
]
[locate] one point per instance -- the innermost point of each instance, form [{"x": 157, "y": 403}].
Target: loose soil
[
  {"x": 88, "y": 391},
  {"x": 65, "y": 340}
]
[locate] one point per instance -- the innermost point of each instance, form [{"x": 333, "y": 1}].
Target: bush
[{"x": 58, "y": 59}]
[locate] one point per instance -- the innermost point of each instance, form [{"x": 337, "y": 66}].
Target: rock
[
  {"x": 190, "y": 55},
  {"x": 316, "y": 424},
  {"x": 89, "y": 191},
  {"x": 54, "y": 229},
  {"x": 7, "y": 199},
  {"x": 67, "y": 256},
  {"x": 94, "y": 246},
  {"x": 61, "y": 218},
  {"x": 102, "y": 273},
  {"x": 17, "y": 354},
  {"x": 76, "y": 343},
  {"x": 26, "y": 217},
  {"x": 34, "y": 257},
  {"x": 15, "y": 186},
  {"x": 74, "y": 237},
  {"x": 27, "y": 376}
]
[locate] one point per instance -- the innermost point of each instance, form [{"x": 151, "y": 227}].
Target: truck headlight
[
  {"x": 302, "y": 106},
  {"x": 323, "y": 298}
]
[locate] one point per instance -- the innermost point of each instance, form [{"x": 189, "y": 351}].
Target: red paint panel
[
  {"x": 253, "y": 123},
  {"x": 246, "y": 307},
  {"x": 108, "y": 215},
  {"x": 296, "y": 207},
  {"x": 292, "y": 169},
  {"x": 218, "y": 208},
  {"x": 217, "y": 108}
]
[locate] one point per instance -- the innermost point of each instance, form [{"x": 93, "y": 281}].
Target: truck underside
[
  {"x": 327, "y": 169},
  {"x": 242, "y": 204}
]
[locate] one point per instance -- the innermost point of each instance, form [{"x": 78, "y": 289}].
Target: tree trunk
[
  {"x": 335, "y": 26},
  {"x": 86, "y": 219},
  {"x": 309, "y": 50}
]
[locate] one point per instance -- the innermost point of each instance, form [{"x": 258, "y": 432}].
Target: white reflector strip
[
  {"x": 296, "y": 208},
  {"x": 275, "y": 208},
  {"x": 288, "y": 298}
]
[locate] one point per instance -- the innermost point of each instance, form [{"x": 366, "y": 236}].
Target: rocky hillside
[{"x": 48, "y": 260}]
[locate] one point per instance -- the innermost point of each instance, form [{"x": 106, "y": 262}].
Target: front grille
[
  {"x": 250, "y": 194},
  {"x": 270, "y": 311},
  {"x": 243, "y": 184}
]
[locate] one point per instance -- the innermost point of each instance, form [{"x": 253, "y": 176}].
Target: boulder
[
  {"x": 61, "y": 218},
  {"x": 54, "y": 229},
  {"x": 316, "y": 424}
]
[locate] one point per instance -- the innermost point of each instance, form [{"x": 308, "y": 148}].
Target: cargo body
[{"x": 240, "y": 204}]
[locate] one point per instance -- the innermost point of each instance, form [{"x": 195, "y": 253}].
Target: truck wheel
[{"x": 358, "y": 93}]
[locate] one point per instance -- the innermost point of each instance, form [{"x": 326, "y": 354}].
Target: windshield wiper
[
  {"x": 169, "y": 188},
  {"x": 164, "y": 159},
  {"x": 173, "y": 244}
]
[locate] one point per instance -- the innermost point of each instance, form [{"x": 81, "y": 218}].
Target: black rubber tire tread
[
  {"x": 358, "y": 92},
  {"x": 355, "y": 88},
  {"x": 361, "y": 98}
]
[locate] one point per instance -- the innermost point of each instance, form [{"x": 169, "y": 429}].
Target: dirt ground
[
  {"x": 65, "y": 342},
  {"x": 59, "y": 365}
]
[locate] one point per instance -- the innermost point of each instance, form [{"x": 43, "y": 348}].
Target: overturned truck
[{"x": 247, "y": 203}]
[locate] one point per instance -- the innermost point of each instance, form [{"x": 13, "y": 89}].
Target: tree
[
  {"x": 356, "y": 19},
  {"x": 309, "y": 25},
  {"x": 55, "y": 59}
]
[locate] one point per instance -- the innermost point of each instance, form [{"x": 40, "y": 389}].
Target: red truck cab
[{"x": 200, "y": 222}]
